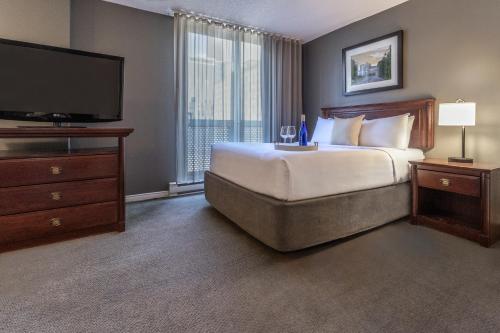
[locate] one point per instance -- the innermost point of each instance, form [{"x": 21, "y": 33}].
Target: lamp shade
[{"x": 457, "y": 114}]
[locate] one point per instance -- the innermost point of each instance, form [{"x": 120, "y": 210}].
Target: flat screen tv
[{"x": 45, "y": 83}]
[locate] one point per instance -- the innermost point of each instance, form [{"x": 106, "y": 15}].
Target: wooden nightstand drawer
[{"x": 444, "y": 181}]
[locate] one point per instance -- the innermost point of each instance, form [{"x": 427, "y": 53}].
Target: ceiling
[{"x": 302, "y": 19}]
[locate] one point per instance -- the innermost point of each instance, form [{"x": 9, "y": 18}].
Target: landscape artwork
[{"x": 373, "y": 66}]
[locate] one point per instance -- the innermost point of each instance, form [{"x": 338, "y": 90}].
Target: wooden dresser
[
  {"x": 50, "y": 196},
  {"x": 459, "y": 198}
]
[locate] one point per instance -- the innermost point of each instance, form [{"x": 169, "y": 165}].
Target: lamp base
[{"x": 460, "y": 160}]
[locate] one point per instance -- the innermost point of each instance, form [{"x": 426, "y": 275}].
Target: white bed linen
[{"x": 295, "y": 176}]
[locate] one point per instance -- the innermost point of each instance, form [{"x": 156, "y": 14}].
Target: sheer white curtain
[{"x": 223, "y": 90}]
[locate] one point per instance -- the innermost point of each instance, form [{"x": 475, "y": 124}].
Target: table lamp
[{"x": 462, "y": 114}]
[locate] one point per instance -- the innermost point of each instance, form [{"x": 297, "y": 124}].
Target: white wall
[{"x": 35, "y": 21}]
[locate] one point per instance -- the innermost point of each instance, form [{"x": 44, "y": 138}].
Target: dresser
[
  {"x": 462, "y": 199},
  {"x": 48, "y": 196}
]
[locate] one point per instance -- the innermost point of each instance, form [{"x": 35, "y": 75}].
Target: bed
[{"x": 290, "y": 201}]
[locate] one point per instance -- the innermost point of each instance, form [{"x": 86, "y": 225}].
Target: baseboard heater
[
  {"x": 174, "y": 191},
  {"x": 181, "y": 189}
]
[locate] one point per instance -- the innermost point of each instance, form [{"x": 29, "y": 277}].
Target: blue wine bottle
[{"x": 303, "y": 131}]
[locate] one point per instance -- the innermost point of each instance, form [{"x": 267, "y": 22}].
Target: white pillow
[
  {"x": 323, "y": 131},
  {"x": 411, "y": 120},
  {"x": 346, "y": 131},
  {"x": 385, "y": 132}
]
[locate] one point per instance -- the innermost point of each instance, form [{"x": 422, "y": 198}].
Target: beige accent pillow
[{"x": 346, "y": 131}]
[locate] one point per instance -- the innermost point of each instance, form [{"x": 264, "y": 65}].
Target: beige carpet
[{"x": 182, "y": 267}]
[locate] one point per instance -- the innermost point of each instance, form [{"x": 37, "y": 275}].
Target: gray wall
[
  {"x": 451, "y": 51},
  {"x": 36, "y": 21},
  {"x": 146, "y": 41}
]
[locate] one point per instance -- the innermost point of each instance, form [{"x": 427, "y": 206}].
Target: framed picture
[{"x": 375, "y": 65}]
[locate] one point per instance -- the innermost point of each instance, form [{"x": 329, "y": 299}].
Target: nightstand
[{"x": 462, "y": 199}]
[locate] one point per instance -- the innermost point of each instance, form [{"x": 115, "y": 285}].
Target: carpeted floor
[{"x": 182, "y": 267}]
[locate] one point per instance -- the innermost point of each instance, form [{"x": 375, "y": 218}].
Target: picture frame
[{"x": 373, "y": 66}]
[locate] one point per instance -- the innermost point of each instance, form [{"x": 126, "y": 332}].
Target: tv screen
[{"x": 44, "y": 83}]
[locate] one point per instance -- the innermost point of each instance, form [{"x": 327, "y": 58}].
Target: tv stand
[
  {"x": 54, "y": 125},
  {"x": 47, "y": 196}
]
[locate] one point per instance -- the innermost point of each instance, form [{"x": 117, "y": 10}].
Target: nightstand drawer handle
[
  {"x": 55, "y": 170},
  {"x": 445, "y": 181},
  {"x": 56, "y": 196},
  {"x": 55, "y": 222}
]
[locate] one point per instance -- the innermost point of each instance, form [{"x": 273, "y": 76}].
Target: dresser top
[
  {"x": 66, "y": 132},
  {"x": 464, "y": 166},
  {"x": 22, "y": 154}
]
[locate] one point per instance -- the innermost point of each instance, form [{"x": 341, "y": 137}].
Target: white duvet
[{"x": 295, "y": 176}]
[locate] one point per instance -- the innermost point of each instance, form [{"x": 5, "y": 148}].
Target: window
[
  {"x": 232, "y": 85},
  {"x": 223, "y": 80}
]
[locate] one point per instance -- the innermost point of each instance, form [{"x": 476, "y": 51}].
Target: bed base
[{"x": 288, "y": 226}]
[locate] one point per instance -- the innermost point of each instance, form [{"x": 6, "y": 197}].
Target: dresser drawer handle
[
  {"x": 55, "y": 222},
  {"x": 56, "y": 196},
  {"x": 55, "y": 170},
  {"x": 445, "y": 181}
]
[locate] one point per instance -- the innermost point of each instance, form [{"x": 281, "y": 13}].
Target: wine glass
[
  {"x": 291, "y": 133},
  {"x": 284, "y": 133}
]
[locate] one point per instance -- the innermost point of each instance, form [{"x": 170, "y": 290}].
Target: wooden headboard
[{"x": 422, "y": 134}]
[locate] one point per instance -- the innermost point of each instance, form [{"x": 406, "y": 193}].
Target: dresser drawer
[
  {"x": 23, "y": 199},
  {"x": 462, "y": 184},
  {"x": 18, "y": 172},
  {"x": 20, "y": 227}
]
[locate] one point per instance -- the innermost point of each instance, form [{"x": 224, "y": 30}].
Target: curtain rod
[{"x": 228, "y": 23}]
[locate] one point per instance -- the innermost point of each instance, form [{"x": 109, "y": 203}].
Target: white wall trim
[{"x": 146, "y": 196}]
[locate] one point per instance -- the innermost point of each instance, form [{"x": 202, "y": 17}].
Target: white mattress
[{"x": 295, "y": 176}]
